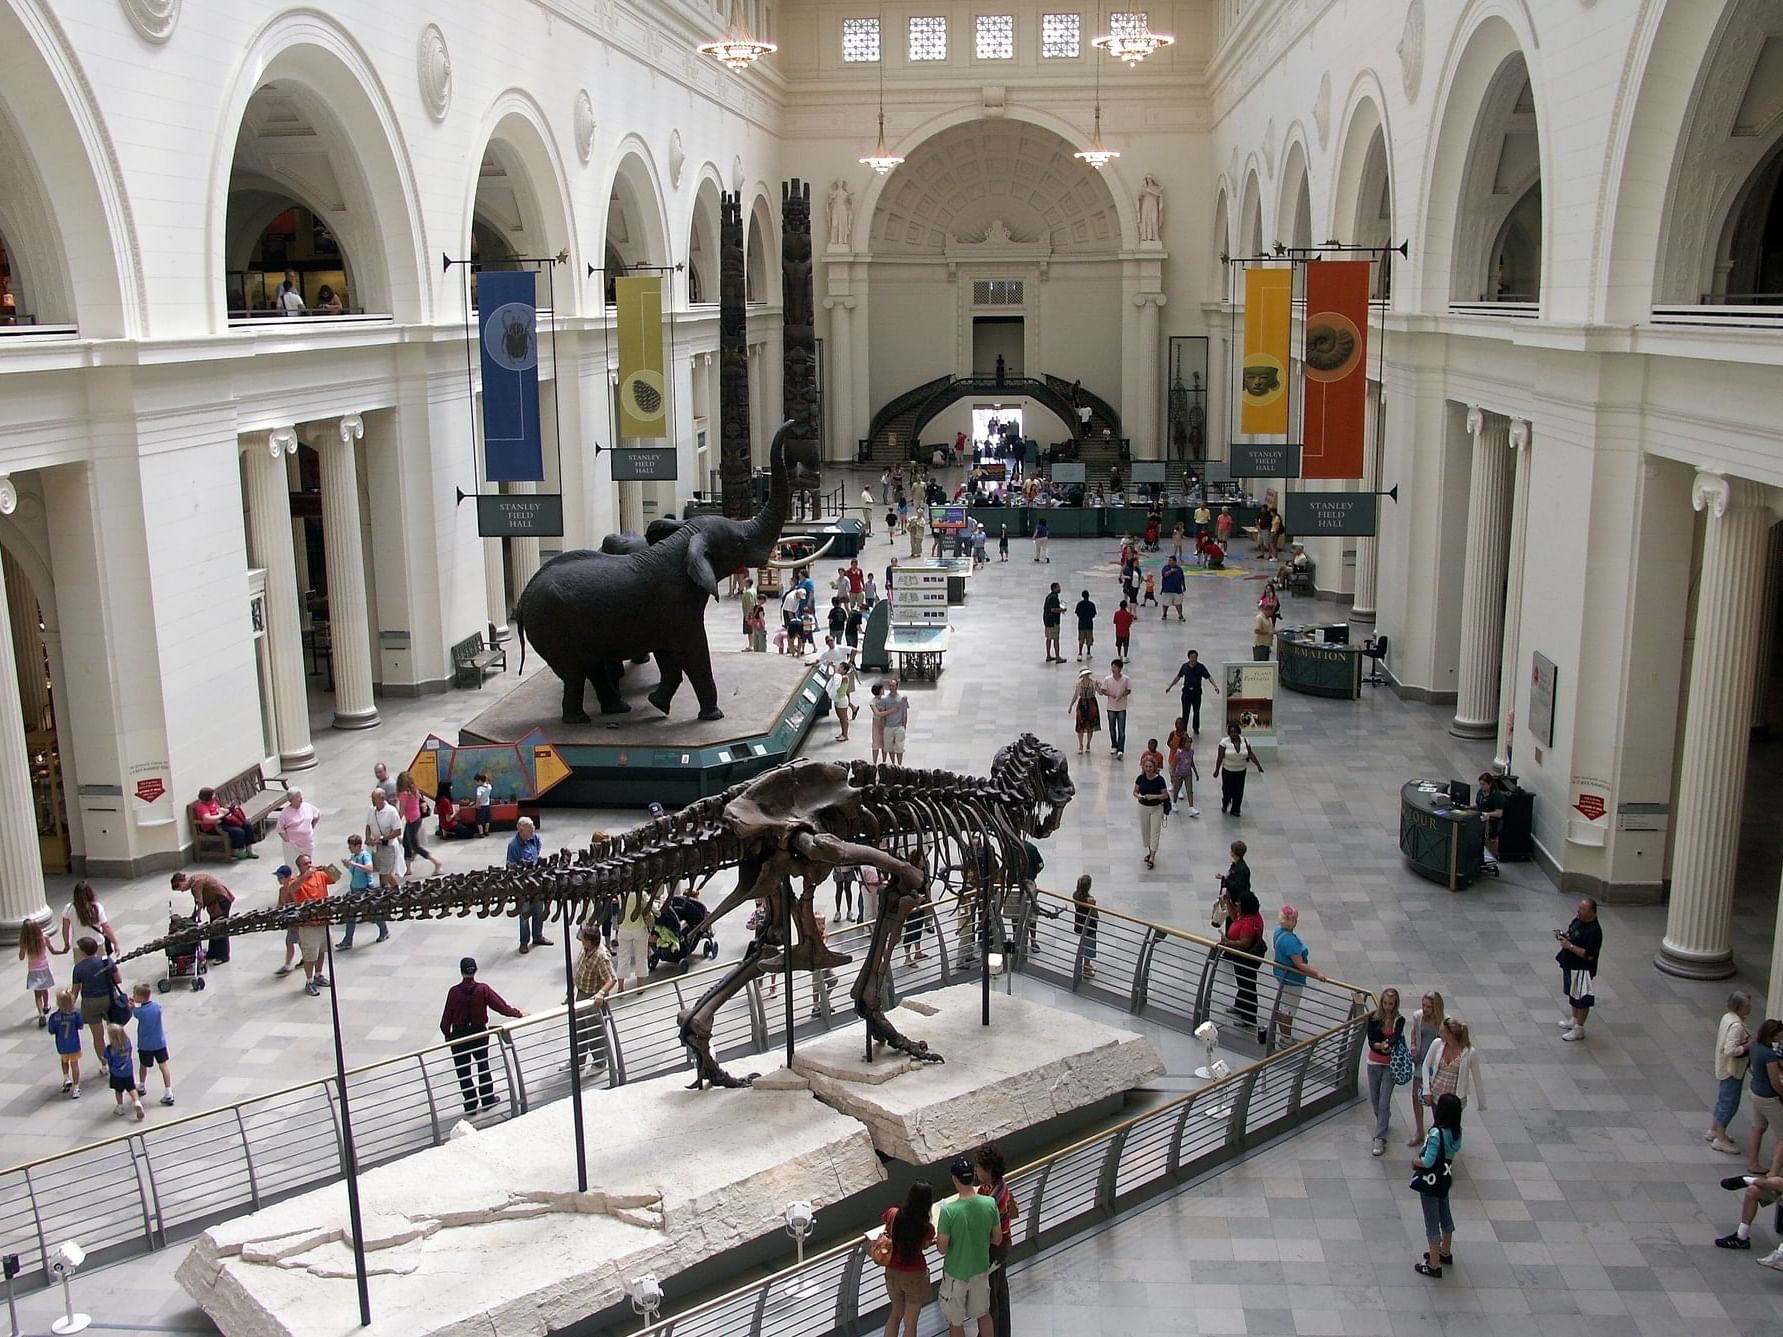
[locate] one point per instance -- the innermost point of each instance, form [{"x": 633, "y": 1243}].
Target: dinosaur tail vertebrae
[{"x": 925, "y": 831}]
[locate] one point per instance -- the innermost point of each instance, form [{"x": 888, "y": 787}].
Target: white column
[
  {"x": 21, "y": 864},
  {"x": 1512, "y": 656},
  {"x": 1717, "y": 727},
  {"x": 840, "y": 374},
  {"x": 525, "y": 551},
  {"x": 1362, "y": 609},
  {"x": 343, "y": 549},
  {"x": 1482, "y": 582},
  {"x": 1142, "y": 426},
  {"x": 269, "y": 519}
]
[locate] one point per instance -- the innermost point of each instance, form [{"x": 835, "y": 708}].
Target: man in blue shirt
[
  {"x": 1191, "y": 675},
  {"x": 1174, "y": 582},
  {"x": 523, "y": 852},
  {"x": 1291, "y": 968}
]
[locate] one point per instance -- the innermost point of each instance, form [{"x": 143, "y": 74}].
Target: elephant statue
[{"x": 587, "y": 612}]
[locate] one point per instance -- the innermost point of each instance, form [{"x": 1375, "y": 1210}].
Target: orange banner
[
  {"x": 1263, "y": 384},
  {"x": 1335, "y": 368}
]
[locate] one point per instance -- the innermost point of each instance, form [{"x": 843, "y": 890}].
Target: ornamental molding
[
  {"x": 1321, "y": 108},
  {"x": 352, "y": 428},
  {"x": 1519, "y": 436},
  {"x": 9, "y": 495},
  {"x": 1476, "y": 420},
  {"x": 282, "y": 441},
  {"x": 433, "y": 67},
  {"x": 677, "y": 158},
  {"x": 1411, "y": 50},
  {"x": 584, "y": 125},
  {"x": 152, "y": 19}
]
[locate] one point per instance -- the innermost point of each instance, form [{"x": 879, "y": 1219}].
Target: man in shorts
[
  {"x": 1580, "y": 942},
  {"x": 969, "y": 1227},
  {"x": 895, "y": 711},
  {"x": 1757, "y": 1192},
  {"x": 312, "y": 936},
  {"x": 383, "y": 836},
  {"x": 1174, "y": 582}
]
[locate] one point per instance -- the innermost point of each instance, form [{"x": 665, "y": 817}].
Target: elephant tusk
[{"x": 793, "y": 565}]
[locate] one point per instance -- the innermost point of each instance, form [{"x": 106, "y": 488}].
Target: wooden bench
[
  {"x": 258, "y": 799},
  {"x": 471, "y": 657},
  {"x": 1300, "y": 579}
]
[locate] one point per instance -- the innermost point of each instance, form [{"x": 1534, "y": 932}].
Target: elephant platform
[{"x": 643, "y": 756}]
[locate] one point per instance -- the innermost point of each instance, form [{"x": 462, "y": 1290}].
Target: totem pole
[
  {"x": 798, "y": 327},
  {"x": 733, "y": 364}
]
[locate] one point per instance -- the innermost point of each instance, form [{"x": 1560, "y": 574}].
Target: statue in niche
[
  {"x": 841, "y": 213},
  {"x": 1151, "y": 209},
  {"x": 998, "y": 234}
]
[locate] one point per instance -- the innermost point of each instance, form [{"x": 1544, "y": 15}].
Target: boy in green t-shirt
[{"x": 968, "y": 1227}]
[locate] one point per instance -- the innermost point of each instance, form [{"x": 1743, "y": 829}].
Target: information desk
[
  {"x": 919, "y": 650},
  {"x": 1309, "y": 665},
  {"x": 1444, "y": 843},
  {"x": 958, "y": 571},
  {"x": 1098, "y": 521}
]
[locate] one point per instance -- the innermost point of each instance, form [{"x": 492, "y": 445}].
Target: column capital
[
  {"x": 352, "y": 428},
  {"x": 9, "y": 495},
  {"x": 1718, "y": 494},
  {"x": 1519, "y": 437},
  {"x": 1143, "y": 299},
  {"x": 1476, "y": 419}
]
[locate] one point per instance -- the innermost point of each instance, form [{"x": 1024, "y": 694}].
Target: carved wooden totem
[
  {"x": 733, "y": 364},
  {"x": 799, "y": 331}
]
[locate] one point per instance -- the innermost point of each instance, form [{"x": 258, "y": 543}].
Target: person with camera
[{"x": 1580, "y": 942}]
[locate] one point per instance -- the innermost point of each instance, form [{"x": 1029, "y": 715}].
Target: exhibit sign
[
  {"x": 1263, "y": 379},
  {"x": 1067, "y": 473},
  {"x": 520, "y": 515},
  {"x": 1542, "y": 676},
  {"x": 1334, "y": 368},
  {"x": 507, "y": 318},
  {"x": 1279, "y": 459},
  {"x": 1150, "y": 471},
  {"x": 648, "y": 464},
  {"x": 1331, "y": 514},
  {"x": 1249, "y": 688},
  {"x": 643, "y": 393}
]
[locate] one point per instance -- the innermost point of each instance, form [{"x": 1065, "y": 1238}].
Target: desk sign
[
  {"x": 1330, "y": 514},
  {"x": 1149, "y": 471},
  {"x": 1067, "y": 473},
  {"x": 1280, "y": 459},
  {"x": 520, "y": 516},
  {"x": 650, "y": 465}
]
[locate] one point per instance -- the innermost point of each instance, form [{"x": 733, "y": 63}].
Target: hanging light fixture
[
  {"x": 739, "y": 48},
  {"x": 1129, "y": 38},
  {"x": 1098, "y": 154},
  {"x": 882, "y": 159}
]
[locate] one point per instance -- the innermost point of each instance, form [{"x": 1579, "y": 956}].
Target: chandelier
[
  {"x": 1129, "y": 38},
  {"x": 1098, "y": 154},
  {"x": 738, "y": 49},
  {"x": 881, "y": 159}
]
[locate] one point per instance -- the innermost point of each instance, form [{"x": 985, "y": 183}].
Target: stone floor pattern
[{"x": 1586, "y": 1201}]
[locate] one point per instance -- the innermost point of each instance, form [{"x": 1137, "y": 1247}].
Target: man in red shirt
[
  {"x": 467, "y": 1015},
  {"x": 1123, "y": 628},
  {"x": 857, "y": 581},
  {"x": 988, "y": 1171}
]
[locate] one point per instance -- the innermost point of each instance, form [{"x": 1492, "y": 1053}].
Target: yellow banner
[
  {"x": 643, "y": 394},
  {"x": 1263, "y": 384}
]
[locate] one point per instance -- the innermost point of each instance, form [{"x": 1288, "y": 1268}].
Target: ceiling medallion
[
  {"x": 434, "y": 69},
  {"x": 584, "y": 122},
  {"x": 154, "y": 19}
]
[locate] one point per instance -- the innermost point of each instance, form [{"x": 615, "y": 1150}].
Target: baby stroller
[
  {"x": 673, "y": 942},
  {"x": 185, "y": 962}
]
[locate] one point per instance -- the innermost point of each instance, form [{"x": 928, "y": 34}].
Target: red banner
[{"x": 1336, "y": 368}]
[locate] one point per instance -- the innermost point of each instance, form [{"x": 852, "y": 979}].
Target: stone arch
[
  {"x": 1293, "y": 210},
  {"x": 1362, "y": 210},
  {"x": 344, "y": 149},
  {"x": 637, "y": 229},
  {"x": 1222, "y": 232},
  {"x": 1250, "y": 239},
  {"x": 1723, "y": 184},
  {"x": 66, "y": 213},
  {"x": 702, "y": 239},
  {"x": 1484, "y": 161},
  {"x": 761, "y": 249},
  {"x": 1121, "y": 198},
  {"x": 520, "y": 195}
]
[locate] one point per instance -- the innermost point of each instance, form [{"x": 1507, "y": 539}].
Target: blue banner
[{"x": 508, "y": 323}]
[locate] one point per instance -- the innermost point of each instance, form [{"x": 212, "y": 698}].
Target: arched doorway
[{"x": 637, "y": 239}]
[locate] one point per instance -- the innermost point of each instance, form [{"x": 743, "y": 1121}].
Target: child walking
[
  {"x": 484, "y": 793},
  {"x": 151, "y": 1042},
  {"x": 66, "y": 1026},
  {"x": 120, "y": 1064},
  {"x": 34, "y": 950}
]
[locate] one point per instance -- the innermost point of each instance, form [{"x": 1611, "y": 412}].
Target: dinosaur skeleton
[{"x": 799, "y": 821}]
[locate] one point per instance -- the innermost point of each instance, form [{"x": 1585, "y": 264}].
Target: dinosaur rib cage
[{"x": 934, "y": 819}]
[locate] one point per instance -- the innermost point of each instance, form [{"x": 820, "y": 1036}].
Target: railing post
[
  {"x": 1203, "y": 1006},
  {"x": 1274, "y": 1009},
  {"x": 1033, "y": 1215},
  {"x": 433, "y": 1109},
  {"x": 615, "y": 1055},
  {"x": 761, "y": 1308},
  {"x": 1142, "y": 969},
  {"x": 1016, "y": 958},
  {"x": 511, "y": 1061},
  {"x": 247, "y": 1155},
  {"x": 1238, "y": 1130},
  {"x": 758, "y": 1015},
  {"x": 1300, "y": 1071},
  {"x": 1173, "y": 1162},
  {"x": 848, "y": 1290},
  {"x": 43, "y": 1244},
  {"x": 1108, "y": 1180},
  {"x": 147, "y": 1192}
]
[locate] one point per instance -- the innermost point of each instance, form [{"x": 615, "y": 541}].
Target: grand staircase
[{"x": 899, "y": 424}]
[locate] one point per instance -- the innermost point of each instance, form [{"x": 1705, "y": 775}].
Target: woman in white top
[
  {"x": 1733, "y": 1044},
  {"x": 1453, "y": 1066},
  {"x": 85, "y": 910}
]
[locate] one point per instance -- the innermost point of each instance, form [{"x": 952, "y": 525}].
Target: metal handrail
[{"x": 190, "y": 1172}]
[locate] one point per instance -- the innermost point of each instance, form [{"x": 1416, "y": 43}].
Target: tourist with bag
[
  {"x": 1432, "y": 1178},
  {"x": 900, "y": 1249},
  {"x": 1387, "y": 1058}
]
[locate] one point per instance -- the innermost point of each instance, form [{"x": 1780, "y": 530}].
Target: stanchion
[{"x": 348, "y": 1153}]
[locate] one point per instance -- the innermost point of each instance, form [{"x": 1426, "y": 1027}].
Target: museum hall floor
[{"x": 1586, "y": 1201}]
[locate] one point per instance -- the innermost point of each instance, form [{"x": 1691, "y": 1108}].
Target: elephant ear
[{"x": 699, "y": 566}]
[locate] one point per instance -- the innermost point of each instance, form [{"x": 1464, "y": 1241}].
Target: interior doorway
[{"x": 997, "y": 343}]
